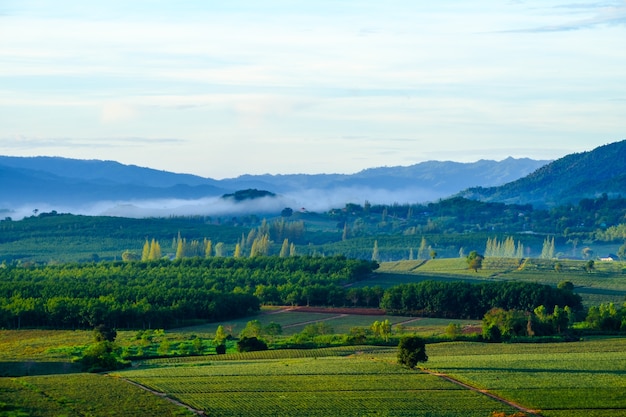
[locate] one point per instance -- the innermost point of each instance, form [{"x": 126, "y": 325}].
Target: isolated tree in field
[
  {"x": 474, "y": 261},
  {"x": 411, "y": 351}
]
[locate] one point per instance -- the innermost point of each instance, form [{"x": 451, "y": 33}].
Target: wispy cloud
[{"x": 22, "y": 142}]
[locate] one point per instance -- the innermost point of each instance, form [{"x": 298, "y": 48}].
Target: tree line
[
  {"x": 472, "y": 301},
  {"x": 166, "y": 293}
]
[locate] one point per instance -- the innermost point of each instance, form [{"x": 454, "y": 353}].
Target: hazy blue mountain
[
  {"x": 566, "y": 180},
  {"x": 68, "y": 183}
]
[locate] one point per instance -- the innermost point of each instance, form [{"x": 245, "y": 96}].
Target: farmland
[
  {"x": 569, "y": 379},
  {"x": 584, "y": 378},
  {"x": 356, "y": 385}
]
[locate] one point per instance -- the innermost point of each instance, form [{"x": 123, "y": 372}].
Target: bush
[
  {"x": 220, "y": 349},
  {"x": 99, "y": 357},
  {"x": 250, "y": 344}
]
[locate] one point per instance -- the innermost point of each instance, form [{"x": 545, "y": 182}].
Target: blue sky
[{"x": 221, "y": 89}]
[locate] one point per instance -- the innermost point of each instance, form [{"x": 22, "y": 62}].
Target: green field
[
  {"x": 606, "y": 283},
  {"x": 568, "y": 379},
  {"x": 355, "y": 385},
  {"x": 586, "y": 378}
]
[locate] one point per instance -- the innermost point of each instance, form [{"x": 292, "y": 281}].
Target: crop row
[
  {"x": 286, "y": 383},
  {"x": 352, "y": 403}
]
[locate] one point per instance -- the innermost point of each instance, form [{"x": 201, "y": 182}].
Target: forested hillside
[{"x": 566, "y": 180}]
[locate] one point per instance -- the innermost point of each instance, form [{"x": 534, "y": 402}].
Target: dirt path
[
  {"x": 484, "y": 392},
  {"x": 164, "y": 396}
]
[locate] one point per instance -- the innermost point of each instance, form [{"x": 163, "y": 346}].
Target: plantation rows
[
  {"x": 566, "y": 379},
  {"x": 347, "y": 386},
  {"x": 77, "y": 395}
]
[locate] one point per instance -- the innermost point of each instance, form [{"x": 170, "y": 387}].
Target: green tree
[
  {"x": 145, "y": 253},
  {"x": 220, "y": 335},
  {"x": 253, "y": 329},
  {"x": 411, "y": 351},
  {"x": 155, "y": 251},
  {"x": 250, "y": 344},
  {"x": 474, "y": 261}
]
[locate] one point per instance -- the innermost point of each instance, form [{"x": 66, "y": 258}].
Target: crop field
[
  {"x": 565, "y": 379},
  {"x": 357, "y": 385},
  {"x": 80, "y": 395},
  {"x": 585, "y": 378}
]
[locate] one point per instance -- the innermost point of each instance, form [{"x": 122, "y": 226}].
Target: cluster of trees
[
  {"x": 166, "y": 293},
  {"x": 465, "y": 300},
  {"x": 504, "y": 249},
  {"x": 607, "y": 317},
  {"x": 499, "y": 324}
]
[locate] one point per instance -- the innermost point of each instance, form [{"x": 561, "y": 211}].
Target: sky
[{"x": 224, "y": 88}]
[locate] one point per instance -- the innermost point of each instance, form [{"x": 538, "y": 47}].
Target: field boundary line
[
  {"x": 483, "y": 392},
  {"x": 314, "y": 321},
  {"x": 162, "y": 395}
]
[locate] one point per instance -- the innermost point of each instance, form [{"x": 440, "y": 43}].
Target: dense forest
[{"x": 164, "y": 293}]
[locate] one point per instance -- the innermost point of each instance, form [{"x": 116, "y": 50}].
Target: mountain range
[
  {"x": 111, "y": 188},
  {"x": 566, "y": 180}
]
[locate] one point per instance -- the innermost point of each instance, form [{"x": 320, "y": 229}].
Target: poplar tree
[
  {"x": 375, "y": 254},
  {"x": 145, "y": 253},
  {"x": 422, "y": 252},
  {"x": 292, "y": 250},
  {"x": 237, "y": 253},
  {"x": 180, "y": 249},
  {"x": 284, "y": 250},
  {"x": 155, "y": 250},
  {"x": 208, "y": 249},
  {"x": 219, "y": 249}
]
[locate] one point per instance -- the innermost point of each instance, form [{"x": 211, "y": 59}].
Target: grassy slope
[{"x": 607, "y": 282}]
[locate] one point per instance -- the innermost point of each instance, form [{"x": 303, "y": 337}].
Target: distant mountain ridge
[
  {"x": 566, "y": 180},
  {"x": 65, "y": 184}
]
